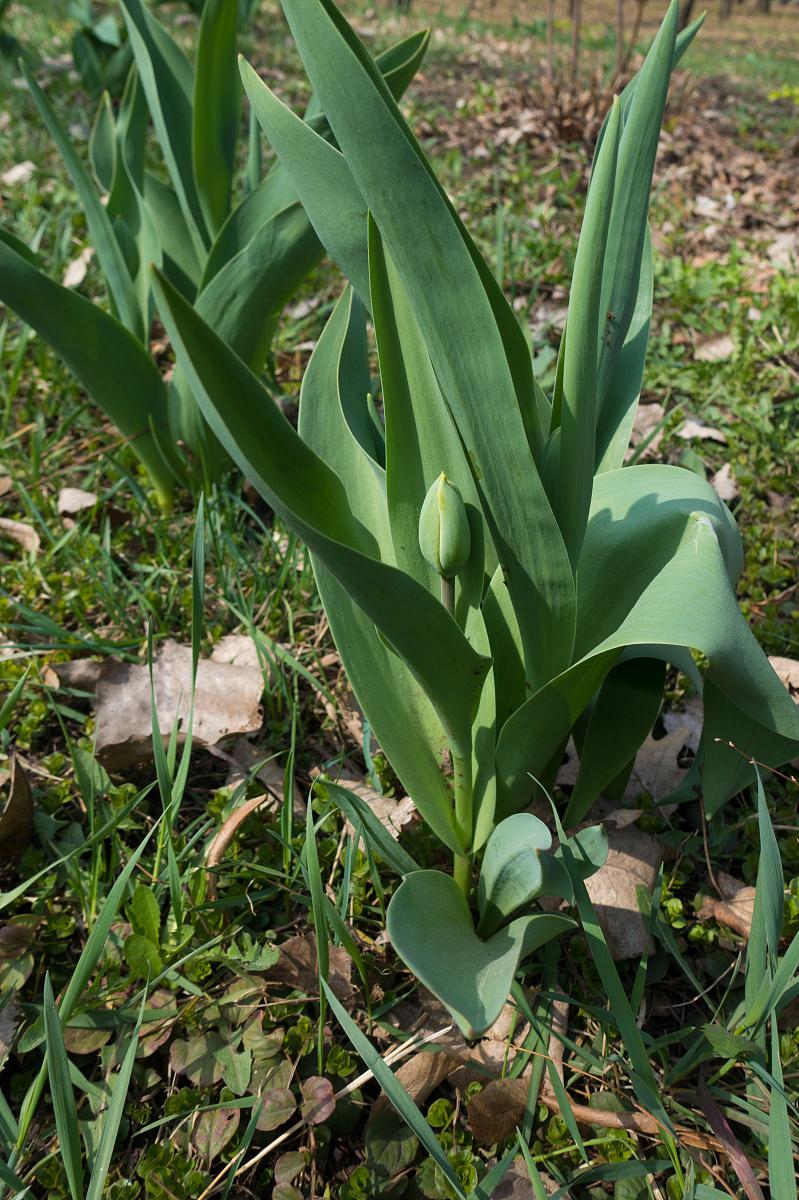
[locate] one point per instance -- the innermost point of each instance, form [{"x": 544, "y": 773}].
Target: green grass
[{"x": 225, "y": 1062}]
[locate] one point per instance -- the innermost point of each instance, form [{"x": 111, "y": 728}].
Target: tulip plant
[
  {"x": 494, "y": 576},
  {"x": 238, "y": 260}
]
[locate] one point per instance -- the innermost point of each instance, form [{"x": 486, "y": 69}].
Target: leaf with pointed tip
[
  {"x": 167, "y": 77},
  {"x": 458, "y": 313},
  {"x": 113, "y": 367},
  {"x": 311, "y": 498},
  {"x": 112, "y": 262},
  {"x": 575, "y": 405},
  {"x": 431, "y": 929},
  {"x": 216, "y": 110},
  {"x": 402, "y": 717}
]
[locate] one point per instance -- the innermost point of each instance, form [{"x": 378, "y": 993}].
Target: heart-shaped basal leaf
[{"x": 431, "y": 929}]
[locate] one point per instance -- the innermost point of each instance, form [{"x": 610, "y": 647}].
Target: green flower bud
[{"x": 444, "y": 536}]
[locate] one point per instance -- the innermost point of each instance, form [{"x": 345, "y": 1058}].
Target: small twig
[{"x": 708, "y": 863}]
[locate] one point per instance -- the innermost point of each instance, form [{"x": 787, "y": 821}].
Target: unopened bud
[{"x": 444, "y": 536}]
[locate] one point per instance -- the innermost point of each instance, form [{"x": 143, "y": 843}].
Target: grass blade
[
  {"x": 62, "y": 1094},
  {"x": 394, "y": 1091}
]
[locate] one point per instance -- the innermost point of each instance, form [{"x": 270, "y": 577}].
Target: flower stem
[{"x": 462, "y": 863}]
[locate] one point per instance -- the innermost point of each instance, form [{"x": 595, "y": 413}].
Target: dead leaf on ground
[
  {"x": 9, "y": 1018},
  {"x": 297, "y": 968},
  {"x": 657, "y": 770},
  {"x": 19, "y": 174},
  {"x": 22, "y": 533},
  {"x": 515, "y": 1183},
  {"x": 717, "y": 348},
  {"x": 633, "y": 861},
  {"x": 77, "y": 268},
  {"x": 690, "y": 720},
  {"x": 784, "y": 250},
  {"x": 734, "y": 909},
  {"x": 695, "y": 429},
  {"x": 73, "y": 500},
  {"x": 648, "y": 418},
  {"x": 393, "y": 812},
  {"x": 16, "y": 815},
  {"x": 725, "y": 484},
  {"x": 788, "y": 671},
  {"x": 227, "y": 702},
  {"x": 81, "y": 674},
  {"x": 6, "y": 484}
]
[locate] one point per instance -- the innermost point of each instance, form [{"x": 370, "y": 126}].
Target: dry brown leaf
[
  {"x": 297, "y": 967},
  {"x": 74, "y": 500},
  {"x": 20, "y": 173},
  {"x": 225, "y": 835},
  {"x": 16, "y": 815},
  {"x": 695, "y": 429},
  {"x": 238, "y": 650},
  {"x": 391, "y": 811},
  {"x": 227, "y": 702},
  {"x": 788, "y": 671},
  {"x": 21, "y": 533},
  {"x": 657, "y": 770},
  {"x": 717, "y": 348},
  {"x": 633, "y": 861},
  {"x": 725, "y": 484},
  {"x": 784, "y": 250},
  {"x": 689, "y": 719},
  {"x": 9, "y": 1018},
  {"x": 6, "y": 484},
  {"x": 734, "y": 909},
  {"x": 75, "y": 272},
  {"x": 80, "y": 673}
]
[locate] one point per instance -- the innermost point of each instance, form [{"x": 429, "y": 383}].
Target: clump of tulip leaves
[
  {"x": 237, "y": 249},
  {"x": 549, "y": 585}
]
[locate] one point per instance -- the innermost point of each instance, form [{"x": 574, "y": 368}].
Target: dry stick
[
  {"x": 550, "y": 40},
  {"x": 413, "y": 1043},
  {"x": 620, "y": 55},
  {"x": 576, "y": 29},
  {"x": 639, "y": 14}
]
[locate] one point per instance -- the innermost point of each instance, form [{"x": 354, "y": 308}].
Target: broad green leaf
[
  {"x": 113, "y": 367},
  {"x": 63, "y": 1096},
  {"x": 168, "y": 81},
  {"x": 245, "y": 298},
  {"x": 625, "y": 711},
  {"x": 511, "y": 874},
  {"x": 217, "y": 110},
  {"x": 770, "y": 891},
  {"x": 102, "y": 143},
  {"x": 324, "y": 182},
  {"x": 615, "y": 421},
  {"x": 410, "y": 732},
  {"x": 456, "y": 315},
  {"x": 112, "y": 263},
  {"x": 431, "y": 929},
  {"x": 576, "y": 401},
  {"x": 421, "y": 440},
  {"x": 180, "y": 261},
  {"x": 312, "y": 500},
  {"x": 627, "y": 231}
]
